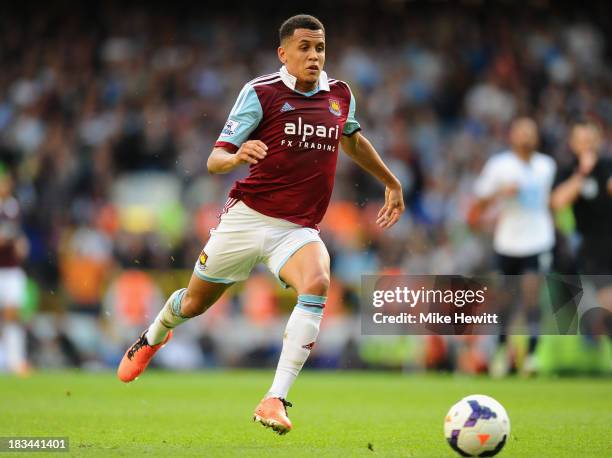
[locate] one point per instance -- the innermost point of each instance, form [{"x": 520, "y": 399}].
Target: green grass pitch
[{"x": 335, "y": 414}]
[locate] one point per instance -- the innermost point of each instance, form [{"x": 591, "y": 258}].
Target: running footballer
[{"x": 287, "y": 127}]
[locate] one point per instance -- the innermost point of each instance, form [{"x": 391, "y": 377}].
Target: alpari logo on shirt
[
  {"x": 334, "y": 107},
  {"x": 308, "y": 130}
]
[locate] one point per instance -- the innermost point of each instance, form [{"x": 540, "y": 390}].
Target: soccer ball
[{"x": 477, "y": 425}]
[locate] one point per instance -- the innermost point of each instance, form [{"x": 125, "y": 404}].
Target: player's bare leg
[
  {"x": 182, "y": 305},
  {"x": 307, "y": 271}
]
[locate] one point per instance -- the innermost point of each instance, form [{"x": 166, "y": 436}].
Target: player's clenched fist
[{"x": 252, "y": 151}]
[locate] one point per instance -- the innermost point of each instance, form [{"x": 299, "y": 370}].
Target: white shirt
[{"x": 525, "y": 225}]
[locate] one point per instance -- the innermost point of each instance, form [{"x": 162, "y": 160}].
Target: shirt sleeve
[
  {"x": 351, "y": 125},
  {"x": 242, "y": 120},
  {"x": 487, "y": 183}
]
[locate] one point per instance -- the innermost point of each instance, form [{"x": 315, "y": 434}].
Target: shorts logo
[
  {"x": 308, "y": 346},
  {"x": 334, "y": 107},
  {"x": 230, "y": 128},
  {"x": 202, "y": 261}
]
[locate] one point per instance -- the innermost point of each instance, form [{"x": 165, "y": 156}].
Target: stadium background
[{"x": 108, "y": 113}]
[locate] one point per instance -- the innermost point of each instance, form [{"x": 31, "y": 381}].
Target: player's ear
[{"x": 281, "y": 55}]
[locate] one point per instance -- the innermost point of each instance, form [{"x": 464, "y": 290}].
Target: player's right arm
[
  {"x": 233, "y": 147},
  {"x": 568, "y": 188},
  {"x": 504, "y": 192},
  {"x": 223, "y": 161},
  {"x": 488, "y": 189},
  {"x": 567, "y": 192}
]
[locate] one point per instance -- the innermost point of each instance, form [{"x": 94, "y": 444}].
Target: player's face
[
  {"x": 585, "y": 139},
  {"x": 524, "y": 135},
  {"x": 304, "y": 55}
]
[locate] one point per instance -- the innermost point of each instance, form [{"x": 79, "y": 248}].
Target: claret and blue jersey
[{"x": 302, "y": 132}]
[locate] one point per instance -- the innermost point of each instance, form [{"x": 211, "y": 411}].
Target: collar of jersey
[{"x": 290, "y": 81}]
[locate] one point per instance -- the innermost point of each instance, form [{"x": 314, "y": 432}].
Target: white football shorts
[
  {"x": 244, "y": 238},
  {"x": 12, "y": 287}
]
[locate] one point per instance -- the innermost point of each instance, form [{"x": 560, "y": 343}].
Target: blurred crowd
[{"x": 107, "y": 118}]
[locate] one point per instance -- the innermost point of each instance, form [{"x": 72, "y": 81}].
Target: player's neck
[
  {"x": 524, "y": 154},
  {"x": 305, "y": 87}
]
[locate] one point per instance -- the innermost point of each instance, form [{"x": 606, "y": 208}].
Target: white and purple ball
[{"x": 477, "y": 425}]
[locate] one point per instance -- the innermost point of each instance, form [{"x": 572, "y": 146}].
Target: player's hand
[
  {"x": 390, "y": 213},
  {"x": 508, "y": 191},
  {"x": 251, "y": 152},
  {"x": 586, "y": 162}
]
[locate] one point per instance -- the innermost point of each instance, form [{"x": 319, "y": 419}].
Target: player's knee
[{"x": 317, "y": 284}]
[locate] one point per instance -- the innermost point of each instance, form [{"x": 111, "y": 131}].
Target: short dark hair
[
  {"x": 299, "y": 21},
  {"x": 588, "y": 122}
]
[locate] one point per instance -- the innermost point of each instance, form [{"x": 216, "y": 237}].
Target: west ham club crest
[{"x": 334, "y": 107}]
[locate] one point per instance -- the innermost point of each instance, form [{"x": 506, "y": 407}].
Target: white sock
[
  {"x": 14, "y": 340},
  {"x": 300, "y": 335},
  {"x": 168, "y": 318}
]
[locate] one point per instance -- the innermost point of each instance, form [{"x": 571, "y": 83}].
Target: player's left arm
[{"x": 361, "y": 151}]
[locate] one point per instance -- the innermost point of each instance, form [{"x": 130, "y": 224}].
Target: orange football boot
[
  {"x": 138, "y": 357},
  {"x": 272, "y": 413}
]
